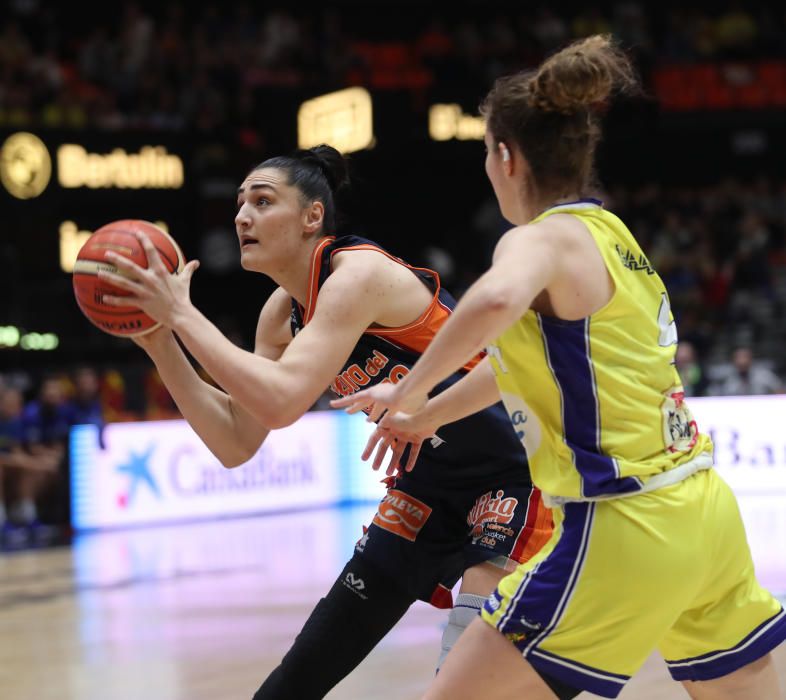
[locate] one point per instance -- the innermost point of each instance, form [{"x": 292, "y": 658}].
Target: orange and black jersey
[{"x": 477, "y": 449}]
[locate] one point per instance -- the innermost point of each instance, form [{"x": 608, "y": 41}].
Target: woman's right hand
[{"x": 394, "y": 433}]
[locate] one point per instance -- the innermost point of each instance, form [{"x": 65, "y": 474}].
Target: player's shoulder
[
  {"x": 370, "y": 265},
  {"x": 560, "y": 232}
]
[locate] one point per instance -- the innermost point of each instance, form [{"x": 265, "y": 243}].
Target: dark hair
[
  {"x": 319, "y": 173},
  {"x": 549, "y": 112}
]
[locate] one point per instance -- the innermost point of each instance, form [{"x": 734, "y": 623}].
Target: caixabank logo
[{"x": 139, "y": 476}]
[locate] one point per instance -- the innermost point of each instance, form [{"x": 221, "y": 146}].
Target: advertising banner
[
  {"x": 155, "y": 472},
  {"x": 749, "y": 438}
]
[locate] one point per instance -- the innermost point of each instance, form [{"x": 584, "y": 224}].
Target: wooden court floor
[{"x": 203, "y": 612}]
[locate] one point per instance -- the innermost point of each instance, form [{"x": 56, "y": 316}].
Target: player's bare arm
[
  {"x": 231, "y": 433},
  {"x": 526, "y": 261},
  {"x": 277, "y": 392}
]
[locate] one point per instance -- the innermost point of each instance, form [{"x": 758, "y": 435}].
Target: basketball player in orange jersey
[
  {"x": 649, "y": 550},
  {"x": 347, "y": 314}
]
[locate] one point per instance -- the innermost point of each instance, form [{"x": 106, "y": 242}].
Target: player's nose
[{"x": 242, "y": 221}]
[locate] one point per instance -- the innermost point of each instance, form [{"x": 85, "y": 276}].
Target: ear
[
  {"x": 507, "y": 158},
  {"x": 313, "y": 217}
]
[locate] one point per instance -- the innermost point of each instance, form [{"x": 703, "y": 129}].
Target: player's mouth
[{"x": 246, "y": 241}]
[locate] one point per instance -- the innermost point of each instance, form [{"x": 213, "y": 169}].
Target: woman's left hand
[
  {"x": 162, "y": 295},
  {"x": 383, "y": 398}
]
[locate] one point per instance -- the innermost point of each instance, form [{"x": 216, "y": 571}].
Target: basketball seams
[{"x": 172, "y": 265}]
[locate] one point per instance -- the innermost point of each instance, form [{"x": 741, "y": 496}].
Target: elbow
[
  {"x": 236, "y": 458},
  {"x": 239, "y": 453},
  {"x": 283, "y": 419},
  {"x": 497, "y": 301}
]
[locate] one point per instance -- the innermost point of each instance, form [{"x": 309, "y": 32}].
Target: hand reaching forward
[
  {"x": 160, "y": 294},
  {"x": 394, "y": 433},
  {"x": 383, "y": 398}
]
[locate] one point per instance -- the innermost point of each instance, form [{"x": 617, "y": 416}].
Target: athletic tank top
[
  {"x": 597, "y": 402},
  {"x": 479, "y": 449}
]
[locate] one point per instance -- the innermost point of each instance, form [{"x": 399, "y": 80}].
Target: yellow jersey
[{"x": 598, "y": 402}]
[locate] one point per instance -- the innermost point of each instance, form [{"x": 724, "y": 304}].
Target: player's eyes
[{"x": 263, "y": 201}]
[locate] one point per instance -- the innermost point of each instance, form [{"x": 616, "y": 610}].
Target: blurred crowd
[
  {"x": 168, "y": 65},
  {"x": 36, "y": 415},
  {"x": 720, "y": 249},
  {"x": 721, "y": 252}
]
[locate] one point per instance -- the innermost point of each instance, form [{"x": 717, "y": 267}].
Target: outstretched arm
[
  {"x": 230, "y": 432},
  {"x": 524, "y": 264},
  {"x": 276, "y": 392}
]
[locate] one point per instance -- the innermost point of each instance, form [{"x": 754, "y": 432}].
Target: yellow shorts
[{"x": 669, "y": 570}]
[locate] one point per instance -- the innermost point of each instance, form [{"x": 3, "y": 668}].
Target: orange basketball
[{"x": 119, "y": 237}]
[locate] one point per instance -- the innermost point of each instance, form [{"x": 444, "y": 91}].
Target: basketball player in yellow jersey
[{"x": 649, "y": 550}]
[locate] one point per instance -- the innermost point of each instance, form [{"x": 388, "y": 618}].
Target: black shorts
[{"x": 425, "y": 535}]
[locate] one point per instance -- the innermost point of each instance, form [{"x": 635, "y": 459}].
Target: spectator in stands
[
  {"x": 85, "y": 407},
  {"x": 748, "y": 379},
  {"x": 19, "y": 471},
  {"x": 45, "y": 426},
  {"x": 690, "y": 370}
]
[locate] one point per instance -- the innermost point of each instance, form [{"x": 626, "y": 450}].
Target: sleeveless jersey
[
  {"x": 597, "y": 402},
  {"x": 479, "y": 449}
]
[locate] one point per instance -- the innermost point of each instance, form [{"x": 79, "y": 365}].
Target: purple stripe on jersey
[
  {"x": 544, "y": 593},
  {"x": 603, "y": 683},
  {"x": 568, "y": 354},
  {"x": 768, "y": 635}
]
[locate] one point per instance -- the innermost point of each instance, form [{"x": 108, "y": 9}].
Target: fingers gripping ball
[{"x": 89, "y": 289}]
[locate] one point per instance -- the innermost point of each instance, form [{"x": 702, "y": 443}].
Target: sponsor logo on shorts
[
  {"x": 516, "y": 637},
  {"x": 402, "y": 514},
  {"x": 494, "y": 601},
  {"x": 530, "y": 629},
  {"x": 530, "y": 624},
  {"x": 501, "y": 529},
  {"x": 355, "y": 584},
  {"x": 489, "y": 515}
]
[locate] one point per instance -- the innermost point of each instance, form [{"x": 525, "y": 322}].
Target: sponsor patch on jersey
[
  {"x": 680, "y": 432},
  {"x": 402, "y": 514}
]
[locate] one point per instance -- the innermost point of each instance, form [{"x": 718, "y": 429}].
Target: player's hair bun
[{"x": 332, "y": 164}]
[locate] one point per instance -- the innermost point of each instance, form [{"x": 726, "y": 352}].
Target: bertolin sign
[
  {"x": 151, "y": 168},
  {"x": 26, "y": 165}
]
